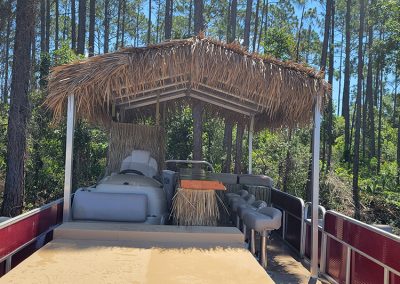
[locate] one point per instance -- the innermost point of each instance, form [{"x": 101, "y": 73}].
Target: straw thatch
[
  {"x": 125, "y": 137},
  {"x": 195, "y": 207},
  {"x": 224, "y": 75}
]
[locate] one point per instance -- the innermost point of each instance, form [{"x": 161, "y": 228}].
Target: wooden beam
[{"x": 205, "y": 98}]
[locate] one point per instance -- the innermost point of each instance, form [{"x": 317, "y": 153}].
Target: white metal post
[
  {"x": 69, "y": 158},
  {"x": 251, "y": 130},
  {"x": 315, "y": 188}
]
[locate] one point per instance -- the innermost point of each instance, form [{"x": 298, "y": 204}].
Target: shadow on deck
[{"x": 284, "y": 266}]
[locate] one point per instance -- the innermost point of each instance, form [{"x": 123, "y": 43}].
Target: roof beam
[
  {"x": 163, "y": 97},
  {"x": 227, "y": 93},
  {"x": 205, "y": 98},
  {"x": 243, "y": 105},
  {"x": 143, "y": 95}
]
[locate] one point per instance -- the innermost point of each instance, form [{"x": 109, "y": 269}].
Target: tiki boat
[{"x": 156, "y": 221}]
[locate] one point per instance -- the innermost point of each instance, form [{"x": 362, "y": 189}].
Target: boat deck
[{"x": 83, "y": 252}]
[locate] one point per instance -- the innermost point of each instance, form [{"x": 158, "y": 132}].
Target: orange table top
[{"x": 202, "y": 184}]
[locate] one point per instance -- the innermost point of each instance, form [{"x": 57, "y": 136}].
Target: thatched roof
[{"x": 230, "y": 80}]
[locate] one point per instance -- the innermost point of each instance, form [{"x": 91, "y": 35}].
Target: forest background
[{"x": 356, "y": 43}]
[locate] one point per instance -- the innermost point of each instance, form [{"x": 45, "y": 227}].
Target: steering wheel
[{"x": 131, "y": 171}]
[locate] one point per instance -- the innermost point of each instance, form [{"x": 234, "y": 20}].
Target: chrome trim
[
  {"x": 386, "y": 276},
  {"x": 348, "y": 264},
  {"x": 191, "y": 162}
]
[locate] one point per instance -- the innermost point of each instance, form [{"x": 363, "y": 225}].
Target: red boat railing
[
  {"x": 350, "y": 251},
  {"x": 23, "y": 235}
]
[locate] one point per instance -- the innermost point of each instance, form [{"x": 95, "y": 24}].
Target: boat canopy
[{"x": 232, "y": 83}]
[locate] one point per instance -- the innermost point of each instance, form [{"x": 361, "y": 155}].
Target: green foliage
[{"x": 279, "y": 43}]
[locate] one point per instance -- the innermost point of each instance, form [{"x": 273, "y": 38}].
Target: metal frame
[
  {"x": 251, "y": 130},
  {"x": 192, "y": 162},
  {"x": 69, "y": 154},
  {"x": 8, "y": 258},
  {"x": 351, "y": 248},
  {"x": 315, "y": 188}
]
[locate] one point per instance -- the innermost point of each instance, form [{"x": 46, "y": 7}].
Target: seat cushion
[
  {"x": 262, "y": 222},
  {"x": 101, "y": 206}
]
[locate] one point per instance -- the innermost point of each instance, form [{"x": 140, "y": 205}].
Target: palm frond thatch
[{"x": 277, "y": 93}]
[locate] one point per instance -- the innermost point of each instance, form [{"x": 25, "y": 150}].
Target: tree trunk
[
  {"x": 378, "y": 168},
  {"x": 48, "y": 21},
  {"x": 239, "y": 148},
  {"x": 197, "y": 115},
  {"x": 19, "y": 109},
  {"x": 158, "y": 36},
  {"x": 232, "y": 22},
  {"x": 42, "y": 26},
  {"x": 57, "y": 28},
  {"x": 247, "y": 21},
  {"x": 81, "y": 27},
  {"x": 168, "y": 19},
  {"x": 190, "y": 17},
  {"x": 340, "y": 74},
  {"x": 369, "y": 91},
  {"x": 227, "y": 147},
  {"x": 149, "y": 25},
  {"x": 330, "y": 80},
  {"x": 356, "y": 162},
  {"x": 326, "y": 35},
  {"x": 346, "y": 87},
  {"x": 256, "y": 25},
  {"x": 299, "y": 32},
  {"x": 107, "y": 24},
  {"x": 198, "y": 16},
  {"x": 264, "y": 13},
  {"x": 7, "y": 59},
  {"x": 92, "y": 18},
  {"x": 123, "y": 23},
  {"x": 73, "y": 24},
  {"x": 118, "y": 23}
]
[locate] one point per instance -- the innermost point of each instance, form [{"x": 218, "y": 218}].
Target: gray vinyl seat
[
  {"x": 236, "y": 202},
  {"x": 248, "y": 199},
  {"x": 262, "y": 221},
  {"x": 244, "y": 208},
  {"x": 241, "y": 193}
]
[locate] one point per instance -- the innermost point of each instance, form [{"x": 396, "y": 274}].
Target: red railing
[
  {"x": 23, "y": 235},
  {"x": 354, "y": 252}
]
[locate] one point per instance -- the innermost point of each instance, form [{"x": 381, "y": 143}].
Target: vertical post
[
  {"x": 69, "y": 158},
  {"x": 315, "y": 189},
  {"x": 251, "y": 130}
]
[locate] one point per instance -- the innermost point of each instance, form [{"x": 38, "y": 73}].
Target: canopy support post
[
  {"x": 69, "y": 158},
  {"x": 251, "y": 130},
  {"x": 315, "y": 188}
]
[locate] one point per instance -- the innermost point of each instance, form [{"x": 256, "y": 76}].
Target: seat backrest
[
  {"x": 101, "y": 206},
  {"x": 140, "y": 160}
]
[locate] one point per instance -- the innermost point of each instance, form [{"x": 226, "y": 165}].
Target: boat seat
[
  {"x": 263, "y": 220},
  {"x": 244, "y": 208},
  {"x": 102, "y": 206},
  {"x": 240, "y": 193},
  {"x": 141, "y": 160}
]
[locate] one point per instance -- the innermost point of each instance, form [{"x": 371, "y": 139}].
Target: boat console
[{"x": 135, "y": 194}]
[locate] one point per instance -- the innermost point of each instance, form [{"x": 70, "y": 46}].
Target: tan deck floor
[
  {"x": 284, "y": 266},
  {"x": 104, "y": 261}
]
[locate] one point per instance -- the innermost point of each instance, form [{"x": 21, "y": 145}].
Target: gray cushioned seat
[
  {"x": 263, "y": 220},
  {"x": 240, "y": 193}
]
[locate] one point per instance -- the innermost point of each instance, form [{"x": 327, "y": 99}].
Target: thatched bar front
[{"x": 232, "y": 83}]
